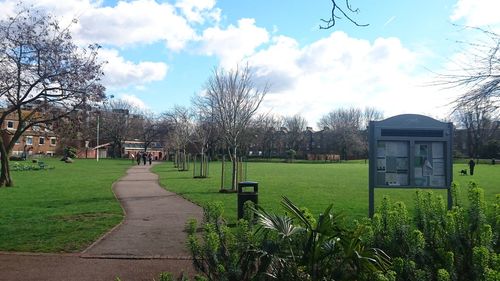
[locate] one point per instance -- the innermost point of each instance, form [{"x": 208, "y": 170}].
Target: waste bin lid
[{"x": 248, "y": 183}]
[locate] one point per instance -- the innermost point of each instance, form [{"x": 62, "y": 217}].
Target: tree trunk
[
  {"x": 202, "y": 166},
  {"x": 5, "y": 179},
  {"x": 119, "y": 154},
  {"x": 234, "y": 174},
  {"x": 184, "y": 160}
]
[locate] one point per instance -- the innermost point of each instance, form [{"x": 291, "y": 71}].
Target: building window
[
  {"x": 41, "y": 141},
  {"x": 10, "y": 124},
  {"x": 53, "y": 141},
  {"x": 29, "y": 140},
  {"x": 35, "y": 128}
]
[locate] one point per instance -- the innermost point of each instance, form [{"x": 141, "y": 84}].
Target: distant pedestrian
[
  {"x": 132, "y": 156},
  {"x": 150, "y": 158},
  {"x": 144, "y": 157},
  {"x": 493, "y": 161},
  {"x": 138, "y": 158},
  {"x": 471, "y": 167}
]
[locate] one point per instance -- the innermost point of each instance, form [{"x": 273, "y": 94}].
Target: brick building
[{"x": 37, "y": 140}]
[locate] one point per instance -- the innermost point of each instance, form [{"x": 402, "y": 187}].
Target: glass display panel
[
  {"x": 429, "y": 166},
  {"x": 392, "y": 163}
]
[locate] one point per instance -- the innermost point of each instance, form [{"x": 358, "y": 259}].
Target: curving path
[
  {"x": 154, "y": 220},
  {"x": 151, "y": 239}
]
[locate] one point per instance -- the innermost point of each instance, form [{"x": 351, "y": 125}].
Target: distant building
[
  {"x": 37, "y": 140},
  {"x": 130, "y": 148}
]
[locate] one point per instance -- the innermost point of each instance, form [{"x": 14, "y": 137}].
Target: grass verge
[
  {"x": 314, "y": 186},
  {"x": 63, "y": 209}
]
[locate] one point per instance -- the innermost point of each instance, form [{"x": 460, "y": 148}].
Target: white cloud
[
  {"x": 7, "y": 8},
  {"x": 66, "y": 10},
  {"x": 135, "y": 22},
  {"x": 234, "y": 43},
  {"x": 477, "y": 12},
  {"x": 119, "y": 73},
  {"x": 197, "y": 11},
  {"x": 128, "y": 22},
  {"x": 135, "y": 101},
  {"x": 341, "y": 71}
]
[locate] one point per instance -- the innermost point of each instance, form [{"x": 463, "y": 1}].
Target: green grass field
[
  {"x": 314, "y": 186},
  {"x": 67, "y": 208},
  {"x": 60, "y": 210}
]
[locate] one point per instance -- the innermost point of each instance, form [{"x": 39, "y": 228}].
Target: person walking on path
[
  {"x": 144, "y": 156},
  {"x": 471, "y": 167},
  {"x": 138, "y": 158},
  {"x": 150, "y": 158}
]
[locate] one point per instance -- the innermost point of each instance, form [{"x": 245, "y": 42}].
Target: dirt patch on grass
[{"x": 84, "y": 217}]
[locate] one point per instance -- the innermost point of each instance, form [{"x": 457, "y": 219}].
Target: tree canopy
[{"x": 44, "y": 75}]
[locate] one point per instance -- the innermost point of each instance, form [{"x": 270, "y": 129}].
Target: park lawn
[
  {"x": 314, "y": 186},
  {"x": 63, "y": 209}
]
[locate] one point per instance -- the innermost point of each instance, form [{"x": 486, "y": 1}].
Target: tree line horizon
[{"x": 42, "y": 68}]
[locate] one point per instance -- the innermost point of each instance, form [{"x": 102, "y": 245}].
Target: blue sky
[{"x": 160, "y": 53}]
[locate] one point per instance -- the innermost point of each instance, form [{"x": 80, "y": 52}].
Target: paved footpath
[{"x": 151, "y": 239}]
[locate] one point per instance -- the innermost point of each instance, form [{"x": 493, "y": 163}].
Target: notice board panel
[{"x": 410, "y": 151}]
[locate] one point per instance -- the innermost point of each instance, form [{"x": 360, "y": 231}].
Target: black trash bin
[{"x": 244, "y": 195}]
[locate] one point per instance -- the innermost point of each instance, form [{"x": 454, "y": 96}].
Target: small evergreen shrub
[
  {"x": 439, "y": 244},
  {"x": 295, "y": 246}
]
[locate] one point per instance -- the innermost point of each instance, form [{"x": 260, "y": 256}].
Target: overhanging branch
[{"x": 336, "y": 9}]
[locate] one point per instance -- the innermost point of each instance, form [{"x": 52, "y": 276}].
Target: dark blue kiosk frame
[{"x": 409, "y": 151}]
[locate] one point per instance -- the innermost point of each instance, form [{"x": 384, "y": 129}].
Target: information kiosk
[{"x": 409, "y": 151}]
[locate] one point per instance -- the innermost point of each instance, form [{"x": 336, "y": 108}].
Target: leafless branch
[
  {"x": 336, "y": 9},
  {"x": 479, "y": 76}
]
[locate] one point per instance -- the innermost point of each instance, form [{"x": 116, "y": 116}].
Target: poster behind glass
[
  {"x": 429, "y": 166},
  {"x": 392, "y": 163}
]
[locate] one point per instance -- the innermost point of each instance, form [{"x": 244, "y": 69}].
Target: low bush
[
  {"x": 433, "y": 244},
  {"x": 16, "y": 158},
  {"x": 19, "y": 166},
  {"x": 70, "y": 152},
  {"x": 440, "y": 244},
  {"x": 293, "y": 246}
]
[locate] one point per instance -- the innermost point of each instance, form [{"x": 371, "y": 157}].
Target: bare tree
[
  {"x": 149, "y": 128},
  {"x": 479, "y": 75},
  {"x": 44, "y": 76},
  {"x": 115, "y": 119},
  {"x": 480, "y": 120},
  {"x": 182, "y": 128},
  {"x": 339, "y": 12},
  {"x": 232, "y": 98},
  {"x": 71, "y": 129},
  {"x": 204, "y": 130},
  {"x": 371, "y": 114},
  {"x": 345, "y": 130},
  {"x": 267, "y": 127},
  {"x": 295, "y": 125}
]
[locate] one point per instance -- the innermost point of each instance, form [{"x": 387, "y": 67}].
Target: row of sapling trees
[
  {"x": 182, "y": 131},
  {"x": 44, "y": 76},
  {"x": 220, "y": 117},
  {"x": 204, "y": 137},
  {"x": 272, "y": 135},
  {"x": 232, "y": 98}
]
